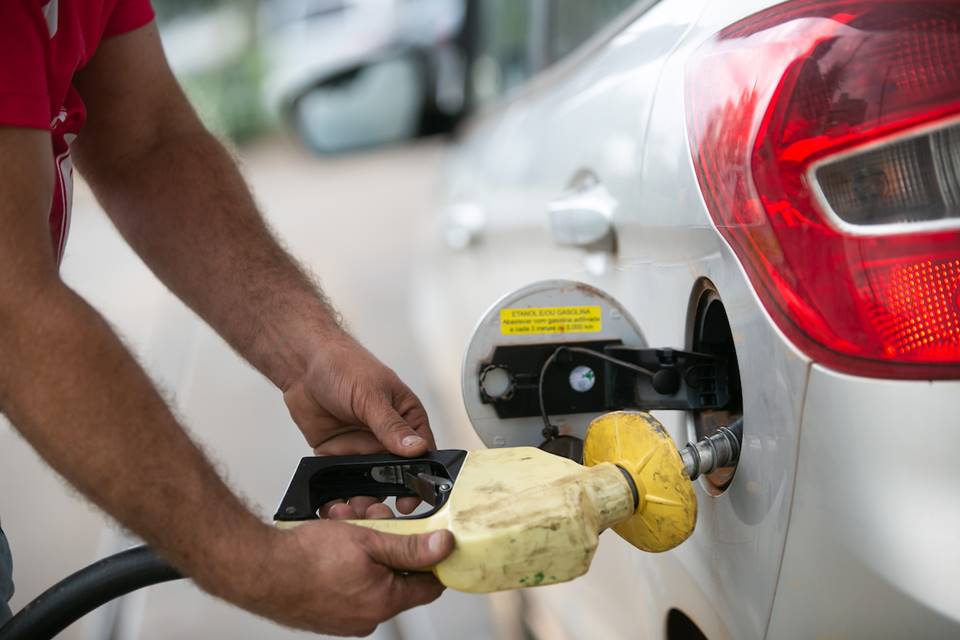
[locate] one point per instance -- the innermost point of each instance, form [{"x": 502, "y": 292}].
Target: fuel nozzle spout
[{"x": 719, "y": 449}]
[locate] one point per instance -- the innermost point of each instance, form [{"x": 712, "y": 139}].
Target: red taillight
[{"x": 826, "y": 139}]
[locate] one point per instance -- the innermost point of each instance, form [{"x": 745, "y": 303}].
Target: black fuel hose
[{"x": 77, "y": 595}]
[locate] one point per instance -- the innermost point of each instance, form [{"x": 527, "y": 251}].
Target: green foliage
[
  {"x": 228, "y": 99},
  {"x": 169, "y": 9}
]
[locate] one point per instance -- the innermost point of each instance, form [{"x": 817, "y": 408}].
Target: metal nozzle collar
[{"x": 719, "y": 449}]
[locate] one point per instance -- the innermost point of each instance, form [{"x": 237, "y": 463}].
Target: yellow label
[{"x": 551, "y": 320}]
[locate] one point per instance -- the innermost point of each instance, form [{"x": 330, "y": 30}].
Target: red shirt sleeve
[
  {"x": 24, "y": 97},
  {"x": 127, "y": 15}
]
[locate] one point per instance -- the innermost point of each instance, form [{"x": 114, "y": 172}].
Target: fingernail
[
  {"x": 411, "y": 441},
  {"x": 435, "y": 541}
]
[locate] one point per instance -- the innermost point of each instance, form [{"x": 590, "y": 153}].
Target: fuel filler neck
[{"x": 719, "y": 449}]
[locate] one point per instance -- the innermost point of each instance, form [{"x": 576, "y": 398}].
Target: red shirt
[{"x": 43, "y": 43}]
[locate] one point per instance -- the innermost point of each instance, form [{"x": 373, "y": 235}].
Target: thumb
[
  {"x": 410, "y": 553},
  {"x": 393, "y": 432}
]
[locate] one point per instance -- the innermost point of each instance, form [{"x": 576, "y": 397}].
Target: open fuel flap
[{"x": 547, "y": 359}]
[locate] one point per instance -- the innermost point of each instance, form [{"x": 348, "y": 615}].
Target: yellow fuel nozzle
[
  {"x": 666, "y": 511},
  {"x": 521, "y": 517}
]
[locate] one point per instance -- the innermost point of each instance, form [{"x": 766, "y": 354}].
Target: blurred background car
[{"x": 358, "y": 73}]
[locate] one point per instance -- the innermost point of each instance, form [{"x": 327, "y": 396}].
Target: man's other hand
[
  {"x": 347, "y": 402},
  {"x": 336, "y": 578}
]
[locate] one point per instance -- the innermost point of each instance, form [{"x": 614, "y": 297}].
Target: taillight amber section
[
  {"x": 916, "y": 306},
  {"x": 828, "y": 90}
]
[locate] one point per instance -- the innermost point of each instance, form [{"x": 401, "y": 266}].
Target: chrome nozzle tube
[{"x": 720, "y": 449}]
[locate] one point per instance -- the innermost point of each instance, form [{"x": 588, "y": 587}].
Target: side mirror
[{"x": 369, "y": 106}]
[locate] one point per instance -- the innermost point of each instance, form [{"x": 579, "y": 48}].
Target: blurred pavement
[{"x": 353, "y": 220}]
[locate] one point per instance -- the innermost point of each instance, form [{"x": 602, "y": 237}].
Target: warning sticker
[{"x": 551, "y": 320}]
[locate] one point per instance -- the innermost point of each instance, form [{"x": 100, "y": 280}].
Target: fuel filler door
[{"x": 547, "y": 359}]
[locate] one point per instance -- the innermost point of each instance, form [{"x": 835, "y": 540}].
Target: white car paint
[{"x": 615, "y": 109}]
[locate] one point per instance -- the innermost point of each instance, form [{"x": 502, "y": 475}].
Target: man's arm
[
  {"x": 179, "y": 200},
  {"x": 75, "y": 393}
]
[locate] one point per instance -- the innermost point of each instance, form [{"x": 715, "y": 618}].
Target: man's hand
[
  {"x": 335, "y": 578},
  {"x": 348, "y": 402}
]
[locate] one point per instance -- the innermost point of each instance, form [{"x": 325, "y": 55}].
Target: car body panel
[
  {"x": 875, "y": 515},
  {"x": 602, "y": 117},
  {"x": 734, "y": 556}
]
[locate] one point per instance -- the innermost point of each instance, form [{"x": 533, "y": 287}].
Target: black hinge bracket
[
  {"x": 681, "y": 380},
  {"x": 667, "y": 379}
]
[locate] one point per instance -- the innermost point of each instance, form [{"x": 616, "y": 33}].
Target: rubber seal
[{"x": 633, "y": 486}]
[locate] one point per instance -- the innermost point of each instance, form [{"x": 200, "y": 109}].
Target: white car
[{"x": 775, "y": 182}]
